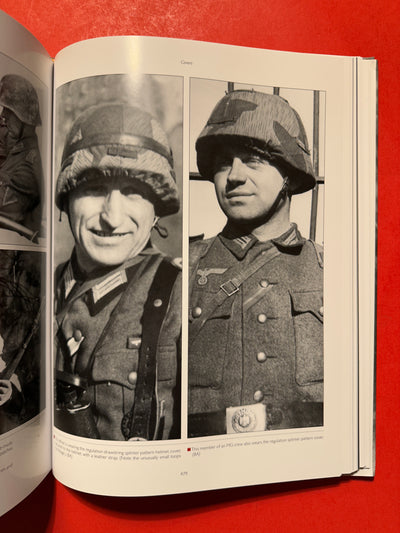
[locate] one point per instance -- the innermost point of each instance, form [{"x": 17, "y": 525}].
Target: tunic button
[
  {"x": 157, "y": 303},
  {"x": 261, "y": 357},
  {"x": 321, "y": 311},
  {"x": 264, "y": 283},
  {"x": 258, "y": 396},
  {"x": 196, "y": 312},
  {"x": 132, "y": 378},
  {"x": 77, "y": 335},
  {"x": 133, "y": 342},
  {"x": 262, "y": 318}
]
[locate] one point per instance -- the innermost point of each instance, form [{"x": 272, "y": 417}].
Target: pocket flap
[
  {"x": 308, "y": 302},
  {"x": 220, "y": 311},
  {"x": 116, "y": 367}
]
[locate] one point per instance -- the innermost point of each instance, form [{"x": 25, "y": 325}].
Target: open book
[{"x": 187, "y": 255}]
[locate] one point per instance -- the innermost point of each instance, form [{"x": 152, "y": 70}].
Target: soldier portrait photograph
[
  {"x": 21, "y": 173},
  {"x": 117, "y": 243},
  {"x": 255, "y": 356},
  {"x": 22, "y": 367}
]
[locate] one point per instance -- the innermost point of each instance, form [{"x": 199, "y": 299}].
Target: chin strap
[
  {"x": 161, "y": 230},
  {"x": 280, "y": 196}
]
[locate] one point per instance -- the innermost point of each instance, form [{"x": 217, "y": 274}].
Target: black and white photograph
[
  {"x": 255, "y": 358},
  {"x": 117, "y": 249},
  {"x": 22, "y": 359},
  {"x": 22, "y": 210}
]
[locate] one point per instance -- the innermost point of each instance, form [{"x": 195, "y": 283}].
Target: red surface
[{"x": 368, "y": 28}]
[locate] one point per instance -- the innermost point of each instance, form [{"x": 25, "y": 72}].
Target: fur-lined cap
[
  {"x": 265, "y": 123},
  {"x": 18, "y": 94},
  {"x": 119, "y": 139}
]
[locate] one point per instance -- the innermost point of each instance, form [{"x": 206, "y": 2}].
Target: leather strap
[
  {"x": 123, "y": 144},
  {"x": 237, "y": 276},
  {"x": 294, "y": 415},
  {"x": 155, "y": 308}
]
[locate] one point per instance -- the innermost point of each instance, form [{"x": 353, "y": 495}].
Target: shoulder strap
[
  {"x": 153, "y": 316},
  {"x": 237, "y": 275}
]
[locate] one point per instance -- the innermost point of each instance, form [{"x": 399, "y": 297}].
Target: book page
[
  {"x": 261, "y": 180},
  {"x": 25, "y": 158},
  {"x": 367, "y": 146}
]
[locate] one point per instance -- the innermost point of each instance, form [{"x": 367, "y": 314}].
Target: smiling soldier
[
  {"x": 256, "y": 332},
  {"x": 118, "y": 298}
]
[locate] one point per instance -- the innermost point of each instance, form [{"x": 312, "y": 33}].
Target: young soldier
[
  {"x": 256, "y": 332},
  {"x": 118, "y": 298},
  {"x": 21, "y": 175}
]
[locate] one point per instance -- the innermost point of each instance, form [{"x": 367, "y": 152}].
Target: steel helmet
[
  {"x": 265, "y": 123},
  {"x": 119, "y": 139},
  {"x": 18, "y": 94}
]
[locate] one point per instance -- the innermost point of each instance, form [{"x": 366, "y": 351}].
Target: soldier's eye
[{"x": 252, "y": 161}]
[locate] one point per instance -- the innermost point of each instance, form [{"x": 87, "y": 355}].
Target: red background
[{"x": 352, "y": 27}]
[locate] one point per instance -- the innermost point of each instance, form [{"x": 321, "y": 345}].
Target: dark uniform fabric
[
  {"x": 260, "y": 337},
  {"x": 99, "y": 335},
  {"x": 21, "y": 179},
  {"x": 20, "y": 290}
]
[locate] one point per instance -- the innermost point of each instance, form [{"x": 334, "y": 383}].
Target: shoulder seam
[{"x": 319, "y": 252}]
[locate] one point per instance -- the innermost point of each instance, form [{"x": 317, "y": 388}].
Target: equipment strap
[
  {"x": 153, "y": 316},
  {"x": 237, "y": 276}
]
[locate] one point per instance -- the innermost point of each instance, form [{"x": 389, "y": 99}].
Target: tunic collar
[
  {"x": 73, "y": 277},
  {"x": 290, "y": 241}
]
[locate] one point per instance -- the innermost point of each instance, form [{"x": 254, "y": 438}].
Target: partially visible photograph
[
  {"x": 22, "y": 359},
  {"x": 256, "y": 285},
  {"x": 117, "y": 246},
  {"x": 21, "y": 172}
]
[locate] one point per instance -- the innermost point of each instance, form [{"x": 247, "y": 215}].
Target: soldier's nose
[
  {"x": 112, "y": 212},
  {"x": 237, "y": 172}
]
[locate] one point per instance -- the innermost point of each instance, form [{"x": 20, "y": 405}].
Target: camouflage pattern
[
  {"x": 265, "y": 123},
  {"x": 19, "y": 95},
  {"x": 20, "y": 290},
  {"x": 21, "y": 181},
  {"x": 122, "y": 139}
]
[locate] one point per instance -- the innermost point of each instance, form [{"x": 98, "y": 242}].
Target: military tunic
[
  {"x": 21, "y": 178},
  {"x": 100, "y": 326},
  {"x": 256, "y": 331},
  {"x": 20, "y": 294}
]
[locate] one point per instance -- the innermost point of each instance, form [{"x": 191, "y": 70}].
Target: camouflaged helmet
[
  {"x": 18, "y": 94},
  {"x": 265, "y": 123},
  {"x": 119, "y": 139}
]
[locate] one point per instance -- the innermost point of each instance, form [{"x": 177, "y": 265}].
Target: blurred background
[{"x": 159, "y": 95}]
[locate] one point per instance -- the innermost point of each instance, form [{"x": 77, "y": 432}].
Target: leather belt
[{"x": 294, "y": 415}]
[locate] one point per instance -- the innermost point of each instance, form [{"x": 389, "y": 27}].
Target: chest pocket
[
  {"x": 116, "y": 366},
  {"x": 309, "y": 336},
  {"x": 208, "y": 350}
]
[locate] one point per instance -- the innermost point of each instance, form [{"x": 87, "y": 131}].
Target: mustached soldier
[
  {"x": 21, "y": 175},
  {"x": 256, "y": 316},
  {"x": 118, "y": 298}
]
